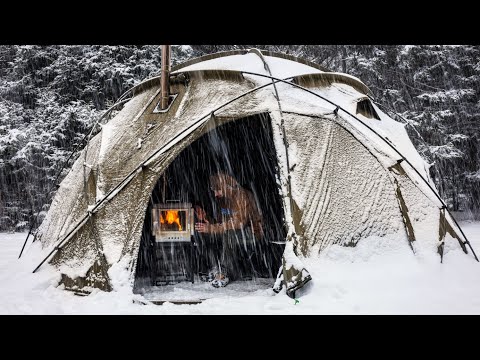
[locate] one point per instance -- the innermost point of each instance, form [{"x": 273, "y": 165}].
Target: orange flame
[{"x": 171, "y": 217}]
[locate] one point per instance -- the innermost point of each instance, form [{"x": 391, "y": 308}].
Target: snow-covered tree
[{"x": 51, "y": 95}]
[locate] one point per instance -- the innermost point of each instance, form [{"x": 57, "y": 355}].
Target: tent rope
[
  {"x": 140, "y": 167},
  {"x": 384, "y": 140}
]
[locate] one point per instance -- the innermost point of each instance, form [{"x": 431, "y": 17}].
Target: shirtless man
[{"x": 238, "y": 224}]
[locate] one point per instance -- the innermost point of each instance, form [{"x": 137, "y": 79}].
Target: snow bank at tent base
[{"x": 376, "y": 277}]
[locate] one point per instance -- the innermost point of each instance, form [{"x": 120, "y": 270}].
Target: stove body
[{"x": 173, "y": 228}]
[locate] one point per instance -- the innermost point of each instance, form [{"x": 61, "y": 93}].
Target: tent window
[{"x": 366, "y": 108}]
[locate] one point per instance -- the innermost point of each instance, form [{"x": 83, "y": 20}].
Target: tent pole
[
  {"x": 129, "y": 177},
  {"x": 288, "y": 175},
  {"x": 57, "y": 177},
  {"x": 385, "y": 141},
  {"x": 122, "y": 183},
  {"x": 282, "y": 125}
]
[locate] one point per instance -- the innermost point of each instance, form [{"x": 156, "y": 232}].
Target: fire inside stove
[{"x": 172, "y": 222}]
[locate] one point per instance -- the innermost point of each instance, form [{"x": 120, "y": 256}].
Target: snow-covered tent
[{"x": 347, "y": 172}]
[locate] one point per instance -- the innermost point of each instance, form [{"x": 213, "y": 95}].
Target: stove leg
[{"x": 192, "y": 262}]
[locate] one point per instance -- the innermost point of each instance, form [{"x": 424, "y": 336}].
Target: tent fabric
[
  {"x": 351, "y": 197},
  {"x": 343, "y": 188}
]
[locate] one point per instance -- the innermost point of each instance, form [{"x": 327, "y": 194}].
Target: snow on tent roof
[{"x": 280, "y": 68}]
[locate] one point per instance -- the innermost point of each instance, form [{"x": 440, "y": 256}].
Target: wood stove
[
  {"x": 173, "y": 228},
  {"x": 172, "y": 222}
]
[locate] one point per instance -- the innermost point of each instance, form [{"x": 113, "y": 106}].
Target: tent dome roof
[
  {"x": 261, "y": 62},
  {"x": 281, "y": 65}
]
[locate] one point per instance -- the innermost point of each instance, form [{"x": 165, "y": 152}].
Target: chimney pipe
[{"x": 165, "y": 76}]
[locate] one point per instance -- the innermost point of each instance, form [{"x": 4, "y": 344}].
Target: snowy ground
[{"x": 368, "y": 279}]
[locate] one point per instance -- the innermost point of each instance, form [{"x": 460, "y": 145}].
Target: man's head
[{"x": 222, "y": 184}]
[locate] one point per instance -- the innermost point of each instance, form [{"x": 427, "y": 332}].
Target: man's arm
[{"x": 237, "y": 221}]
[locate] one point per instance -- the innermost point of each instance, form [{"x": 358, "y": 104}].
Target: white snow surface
[
  {"x": 378, "y": 276},
  {"x": 251, "y": 62}
]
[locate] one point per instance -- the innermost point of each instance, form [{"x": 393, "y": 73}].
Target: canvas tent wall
[{"x": 340, "y": 182}]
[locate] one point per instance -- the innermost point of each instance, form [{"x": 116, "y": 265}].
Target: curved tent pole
[
  {"x": 392, "y": 112},
  {"x": 87, "y": 135},
  {"x": 304, "y": 279},
  {"x": 130, "y": 176},
  {"x": 124, "y": 182},
  {"x": 403, "y": 158},
  {"x": 282, "y": 123},
  {"x": 220, "y": 54}
]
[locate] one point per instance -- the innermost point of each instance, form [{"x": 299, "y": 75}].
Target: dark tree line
[{"x": 51, "y": 95}]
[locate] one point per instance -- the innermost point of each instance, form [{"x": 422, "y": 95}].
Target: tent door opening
[{"x": 243, "y": 149}]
